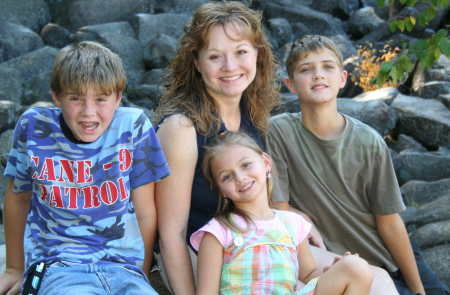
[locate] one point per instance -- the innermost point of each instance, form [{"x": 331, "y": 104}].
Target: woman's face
[{"x": 227, "y": 63}]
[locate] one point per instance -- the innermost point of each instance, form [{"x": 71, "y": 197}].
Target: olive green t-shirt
[{"x": 340, "y": 183}]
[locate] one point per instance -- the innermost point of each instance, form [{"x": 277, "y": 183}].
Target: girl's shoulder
[{"x": 214, "y": 227}]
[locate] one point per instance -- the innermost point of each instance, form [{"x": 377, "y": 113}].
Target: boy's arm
[
  {"x": 393, "y": 232},
  {"x": 210, "y": 261},
  {"x": 144, "y": 203},
  {"x": 16, "y": 208}
]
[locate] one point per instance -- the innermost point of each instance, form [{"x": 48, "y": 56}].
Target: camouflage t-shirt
[{"x": 81, "y": 209}]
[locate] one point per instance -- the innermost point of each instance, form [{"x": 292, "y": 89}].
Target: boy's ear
[
  {"x": 290, "y": 85},
  {"x": 344, "y": 76},
  {"x": 56, "y": 99},
  {"x": 119, "y": 98}
]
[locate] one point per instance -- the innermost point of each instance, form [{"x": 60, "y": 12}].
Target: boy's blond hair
[
  {"x": 87, "y": 64},
  {"x": 310, "y": 43}
]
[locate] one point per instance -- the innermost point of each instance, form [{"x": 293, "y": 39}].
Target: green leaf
[
  {"x": 380, "y": 3},
  {"x": 444, "y": 46},
  {"x": 393, "y": 26},
  {"x": 386, "y": 67},
  {"x": 409, "y": 25},
  {"x": 401, "y": 25}
]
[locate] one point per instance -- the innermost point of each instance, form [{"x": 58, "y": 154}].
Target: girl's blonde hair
[
  {"x": 87, "y": 64},
  {"x": 226, "y": 207},
  {"x": 186, "y": 90}
]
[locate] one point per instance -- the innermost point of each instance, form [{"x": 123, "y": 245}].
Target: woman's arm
[
  {"x": 16, "y": 209},
  {"x": 393, "y": 232},
  {"x": 173, "y": 197},
  {"x": 144, "y": 203},
  {"x": 210, "y": 261}
]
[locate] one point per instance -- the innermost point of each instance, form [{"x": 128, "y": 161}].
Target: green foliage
[{"x": 424, "y": 52}]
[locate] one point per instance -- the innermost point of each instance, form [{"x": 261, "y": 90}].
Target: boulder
[
  {"x": 148, "y": 26},
  {"x": 16, "y": 40},
  {"x": 146, "y": 96},
  {"x": 160, "y": 51},
  {"x": 74, "y": 14},
  {"x": 31, "y": 14},
  {"x": 406, "y": 143},
  {"x": 280, "y": 31},
  {"x": 427, "y": 120},
  {"x": 438, "y": 258},
  {"x": 435, "y": 211},
  {"x": 96, "y": 32},
  {"x": 154, "y": 76},
  {"x": 8, "y": 110},
  {"x": 11, "y": 87},
  {"x": 55, "y": 35},
  {"x": 177, "y": 6},
  {"x": 340, "y": 8},
  {"x": 363, "y": 22},
  {"x": 432, "y": 234},
  {"x": 419, "y": 193},
  {"x": 427, "y": 166},
  {"x": 317, "y": 22},
  {"x": 34, "y": 68},
  {"x": 386, "y": 94},
  {"x": 289, "y": 104},
  {"x": 434, "y": 89},
  {"x": 375, "y": 113}
]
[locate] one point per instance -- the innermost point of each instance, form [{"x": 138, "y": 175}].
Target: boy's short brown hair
[
  {"x": 310, "y": 43},
  {"x": 87, "y": 64}
]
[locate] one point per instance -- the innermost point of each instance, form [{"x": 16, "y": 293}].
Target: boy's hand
[
  {"x": 10, "y": 282},
  {"x": 337, "y": 259}
]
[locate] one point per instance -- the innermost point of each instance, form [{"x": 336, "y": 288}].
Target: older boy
[
  {"x": 338, "y": 170},
  {"x": 81, "y": 185}
]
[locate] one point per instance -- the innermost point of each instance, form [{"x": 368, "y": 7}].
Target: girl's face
[
  {"x": 227, "y": 64},
  {"x": 240, "y": 174}
]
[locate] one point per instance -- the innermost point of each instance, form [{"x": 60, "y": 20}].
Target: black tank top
[{"x": 204, "y": 200}]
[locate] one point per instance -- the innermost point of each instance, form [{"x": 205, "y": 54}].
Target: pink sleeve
[
  {"x": 303, "y": 227},
  {"x": 213, "y": 227}
]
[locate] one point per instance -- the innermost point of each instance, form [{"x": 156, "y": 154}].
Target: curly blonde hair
[{"x": 185, "y": 88}]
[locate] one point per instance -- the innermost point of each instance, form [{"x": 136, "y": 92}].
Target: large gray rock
[
  {"x": 434, "y": 89},
  {"x": 55, "y": 35},
  {"x": 427, "y": 120},
  {"x": 146, "y": 96},
  {"x": 31, "y": 14},
  {"x": 421, "y": 166},
  {"x": 406, "y": 143},
  {"x": 435, "y": 211},
  {"x": 34, "y": 69},
  {"x": 386, "y": 94},
  {"x": 96, "y": 32},
  {"x": 317, "y": 22},
  {"x": 418, "y": 192},
  {"x": 8, "y": 116},
  {"x": 341, "y": 8},
  {"x": 438, "y": 258},
  {"x": 440, "y": 70},
  {"x": 148, "y": 26},
  {"x": 364, "y": 21},
  {"x": 160, "y": 51},
  {"x": 280, "y": 31},
  {"x": 11, "y": 86},
  {"x": 433, "y": 234},
  {"x": 74, "y": 14},
  {"x": 374, "y": 113},
  {"x": 154, "y": 76},
  {"x": 16, "y": 40},
  {"x": 177, "y": 6}
]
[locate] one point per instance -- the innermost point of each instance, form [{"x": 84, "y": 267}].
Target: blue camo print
[{"x": 81, "y": 209}]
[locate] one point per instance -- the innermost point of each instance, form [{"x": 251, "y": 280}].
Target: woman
[{"x": 222, "y": 78}]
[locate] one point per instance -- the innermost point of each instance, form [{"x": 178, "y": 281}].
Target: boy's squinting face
[
  {"x": 317, "y": 78},
  {"x": 240, "y": 174},
  {"x": 87, "y": 115}
]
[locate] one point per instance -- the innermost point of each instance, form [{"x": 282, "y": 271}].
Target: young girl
[{"x": 248, "y": 248}]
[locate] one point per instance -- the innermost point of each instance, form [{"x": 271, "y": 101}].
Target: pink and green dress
[{"x": 263, "y": 259}]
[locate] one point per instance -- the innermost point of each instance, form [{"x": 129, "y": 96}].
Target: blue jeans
[
  {"x": 94, "y": 279},
  {"x": 430, "y": 281}
]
